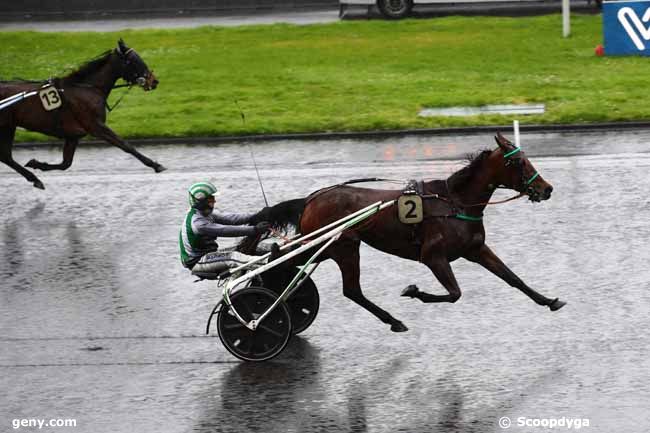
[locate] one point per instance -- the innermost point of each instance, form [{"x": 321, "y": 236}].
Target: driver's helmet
[{"x": 199, "y": 193}]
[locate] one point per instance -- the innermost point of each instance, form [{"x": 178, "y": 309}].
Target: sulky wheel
[
  {"x": 271, "y": 336},
  {"x": 395, "y": 9},
  {"x": 303, "y": 305}
]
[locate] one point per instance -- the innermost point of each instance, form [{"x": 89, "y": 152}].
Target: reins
[
  {"x": 108, "y": 107},
  {"x": 463, "y": 205},
  {"x": 457, "y": 207},
  {"x": 486, "y": 203},
  {"x": 520, "y": 195}
]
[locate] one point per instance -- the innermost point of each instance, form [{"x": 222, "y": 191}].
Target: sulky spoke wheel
[
  {"x": 271, "y": 336},
  {"x": 303, "y": 305}
]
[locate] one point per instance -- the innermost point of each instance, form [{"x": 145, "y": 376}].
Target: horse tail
[{"x": 283, "y": 216}]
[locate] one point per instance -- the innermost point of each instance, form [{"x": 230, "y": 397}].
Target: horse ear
[
  {"x": 503, "y": 142},
  {"x": 121, "y": 47}
]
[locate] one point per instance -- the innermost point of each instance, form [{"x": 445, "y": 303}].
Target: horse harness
[
  {"x": 55, "y": 91},
  {"x": 52, "y": 90},
  {"x": 416, "y": 188},
  {"x": 412, "y": 211}
]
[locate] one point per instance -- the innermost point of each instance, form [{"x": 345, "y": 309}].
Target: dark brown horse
[
  {"x": 83, "y": 95},
  {"x": 452, "y": 225}
]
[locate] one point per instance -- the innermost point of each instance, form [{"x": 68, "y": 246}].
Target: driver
[{"x": 202, "y": 226}]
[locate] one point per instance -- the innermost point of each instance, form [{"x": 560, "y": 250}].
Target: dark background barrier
[{"x": 58, "y": 9}]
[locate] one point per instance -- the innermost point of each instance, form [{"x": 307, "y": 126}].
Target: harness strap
[
  {"x": 316, "y": 193},
  {"x": 512, "y": 152},
  {"x": 462, "y": 216},
  {"x": 369, "y": 179},
  {"x": 532, "y": 178},
  {"x": 58, "y": 123},
  {"x": 458, "y": 215}
]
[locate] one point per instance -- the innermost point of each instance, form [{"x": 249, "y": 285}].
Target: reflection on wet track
[{"x": 99, "y": 322}]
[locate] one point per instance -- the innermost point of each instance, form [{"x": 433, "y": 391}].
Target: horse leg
[
  {"x": 69, "y": 147},
  {"x": 486, "y": 258},
  {"x": 441, "y": 268},
  {"x": 6, "y": 140},
  {"x": 346, "y": 256},
  {"x": 103, "y": 132}
]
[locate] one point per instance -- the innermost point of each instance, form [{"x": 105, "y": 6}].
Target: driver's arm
[
  {"x": 232, "y": 219},
  {"x": 214, "y": 230}
]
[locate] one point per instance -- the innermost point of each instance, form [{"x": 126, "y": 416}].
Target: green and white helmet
[{"x": 200, "y": 191}]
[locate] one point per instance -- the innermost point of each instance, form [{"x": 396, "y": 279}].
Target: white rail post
[
  {"x": 515, "y": 126},
  {"x": 566, "y": 18}
]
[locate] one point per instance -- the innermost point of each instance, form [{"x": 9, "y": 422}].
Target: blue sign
[{"x": 626, "y": 28}]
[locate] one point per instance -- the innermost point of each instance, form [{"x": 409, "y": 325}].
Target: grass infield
[{"x": 349, "y": 76}]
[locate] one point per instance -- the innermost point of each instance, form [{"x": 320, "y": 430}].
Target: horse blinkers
[{"x": 135, "y": 71}]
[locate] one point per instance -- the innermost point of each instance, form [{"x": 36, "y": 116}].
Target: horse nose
[
  {"x": 548, "y": 191},
  {"x": 154, "y": 84}
]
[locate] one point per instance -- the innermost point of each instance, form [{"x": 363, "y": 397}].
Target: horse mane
[
  {"x": 19, "y": 80},
  {"x": 282, "y": 216},
  {"x": 88, "y": 68},
  {"x": 76, "y": 76},
  {"x": 465, "y": 175}
]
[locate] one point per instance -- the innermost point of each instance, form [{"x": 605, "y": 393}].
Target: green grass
[{"x": 349, "y": 76}]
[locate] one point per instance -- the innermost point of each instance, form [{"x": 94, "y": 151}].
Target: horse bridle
[
  {"x": 525, "y": 187},
  {"x": 131, "y": 80},
  {"x": 133, "y": 77},
  {"x": 517, "y": 161}
]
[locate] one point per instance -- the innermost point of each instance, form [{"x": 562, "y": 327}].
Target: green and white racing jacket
[{"x": 199, "y": 233}]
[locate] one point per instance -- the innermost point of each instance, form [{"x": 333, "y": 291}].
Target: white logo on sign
[{"x": 625, "y": 15}]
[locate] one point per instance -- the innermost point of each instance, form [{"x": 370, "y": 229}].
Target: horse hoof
[
  {"x": 410, "y": 291},
  {"x": 38, "y": 184},
  {"x": 556, "y": 304},
  {"x": 398, "y": 327},
  {"x": 32, "y": 163},
  {"x": 159, "y": 168}
]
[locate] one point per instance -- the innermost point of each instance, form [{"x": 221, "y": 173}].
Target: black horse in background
[{"x": 82, "y": 95}]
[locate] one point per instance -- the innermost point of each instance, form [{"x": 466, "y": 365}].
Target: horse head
[
  {"x": 134, "y": 69},
  {"x": 518, "y": 173}
]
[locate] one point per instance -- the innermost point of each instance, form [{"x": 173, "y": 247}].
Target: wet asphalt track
[{"x": 99, "y": 322}]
